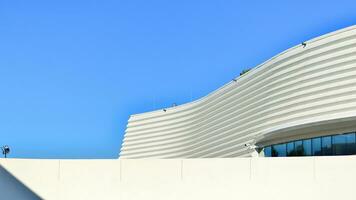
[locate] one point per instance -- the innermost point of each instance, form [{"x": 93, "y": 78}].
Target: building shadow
[{"x": 13, "y": 189}]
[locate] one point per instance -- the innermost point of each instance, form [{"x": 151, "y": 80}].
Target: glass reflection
[
  {"x": 316, "y": 146},
  {"x": 326, "y": 147},
  {"x": 279, "y": 150},
  {"x": 339, "y": 147},
  {"x": 351, "y": 144},
  {"x": 267, "y": 151},
  {"x": 307, "y": 147},
  {"x": 341, "y": 144},
  {"x": 299, "y": 149},
  {"x": 290, "y": 149}
]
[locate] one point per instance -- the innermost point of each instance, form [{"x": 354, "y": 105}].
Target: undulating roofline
[{"x": 305, "y": 87}]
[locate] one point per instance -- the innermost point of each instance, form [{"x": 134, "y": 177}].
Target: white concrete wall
[
  {"x": 13, "y": 189},
  {"x": 221, "y": 178},
  {"x": 301, "y": 86}
]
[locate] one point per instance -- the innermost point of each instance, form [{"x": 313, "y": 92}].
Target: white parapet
[{"x": 167, "y": 179}]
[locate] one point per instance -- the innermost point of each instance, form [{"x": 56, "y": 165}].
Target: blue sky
[{"x": 71, "y": 72}]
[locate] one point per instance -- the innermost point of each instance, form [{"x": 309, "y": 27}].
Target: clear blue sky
[{"x": 71, "y": 72}]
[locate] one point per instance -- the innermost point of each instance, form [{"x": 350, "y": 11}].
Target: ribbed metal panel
[{"x": 301, "y": 85}]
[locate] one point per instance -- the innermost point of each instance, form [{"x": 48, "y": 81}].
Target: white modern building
[
  {"x": 298, "y": 108},
  {"x": 306, "y": 94}
]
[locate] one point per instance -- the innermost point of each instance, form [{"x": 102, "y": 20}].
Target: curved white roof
[{"x": 302, "y": 85}]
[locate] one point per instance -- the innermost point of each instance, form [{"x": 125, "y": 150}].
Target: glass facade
[
  {"x": 316, "y": 144},
  {"x": 279, "y": 150},
  {"x": 290, "y": 149},
  {"x": 340, "y": 144}
]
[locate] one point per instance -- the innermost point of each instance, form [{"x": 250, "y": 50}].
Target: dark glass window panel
[
  {"x": 274, "y": 151},
  {"x": 299, "y": 150},
  {"x": 307, "y": 147},
  {"x": 290, "y": 149},
  {"x": 339, "y": 144},
  {"x": 268, "y": 152},
  {"x": 351, "y": 144},
  {"x": 326, "y": 147},
  {"x": 316, "y": 146},
  {"x": 279, "y": 150}
]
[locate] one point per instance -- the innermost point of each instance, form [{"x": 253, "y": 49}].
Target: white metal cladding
[{"x": 301, "y": 85}]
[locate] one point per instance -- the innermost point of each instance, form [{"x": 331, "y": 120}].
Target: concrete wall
[
  {"x": 226, "y": 178},
  {"x": 300, "y": 87},
  {"x": 11, "y": 188}
]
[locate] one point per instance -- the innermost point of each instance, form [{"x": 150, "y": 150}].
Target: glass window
[
  {"x": 350, "y": 144},
  {"x": 307, "y": 147},
  {"x": 326, "y": 146},
  {"x": 290, "y": 149},
  {"x": 267, "y": 151},
  {"x": 279, "y": 150},
  {"x": 316, "y": 146},
  {"x": 299, "y": 150},
  {"x": 339, "y": 144}
]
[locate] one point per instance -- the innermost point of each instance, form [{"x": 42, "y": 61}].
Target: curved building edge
[{"x": 307, "y": 90}]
